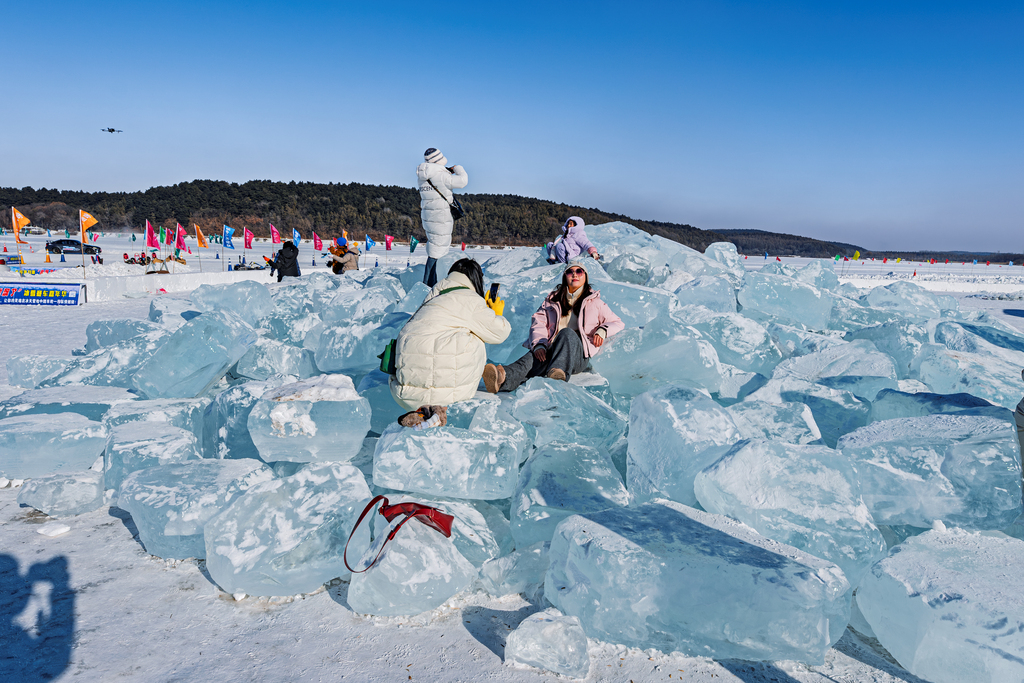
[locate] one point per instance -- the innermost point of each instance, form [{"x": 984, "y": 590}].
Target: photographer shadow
[{"x": 37, "y": 620}]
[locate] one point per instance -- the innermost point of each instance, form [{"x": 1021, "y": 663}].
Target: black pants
[
  {"x": 565, "y": 354},
  {"x": 430, "y": 274}
]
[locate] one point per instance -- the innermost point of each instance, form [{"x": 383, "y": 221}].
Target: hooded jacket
[
  {"x": 287, "y": 262},
  {"x": 343, "y": 260},
  {"x": 594, "y": 313},
  {"x": 572, "y": 242},
  {"x": 440, "y": 350},
  {"x": 435, "y": 209}
]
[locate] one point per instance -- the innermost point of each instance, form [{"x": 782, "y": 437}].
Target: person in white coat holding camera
[{"x": 436, "y": 180}]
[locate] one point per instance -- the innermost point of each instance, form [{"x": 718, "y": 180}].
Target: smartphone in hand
[{"x": 493, "y": 293}]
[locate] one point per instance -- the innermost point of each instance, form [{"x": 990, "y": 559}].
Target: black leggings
[{"x": 565, "y": 354}]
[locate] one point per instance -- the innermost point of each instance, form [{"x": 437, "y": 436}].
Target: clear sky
[{"x": 892, "y": 125}]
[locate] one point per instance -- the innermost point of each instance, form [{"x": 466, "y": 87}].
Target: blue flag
[
  {"x": 228, "y": 232},
  {"x": 370, "y": 243},
  {"x": 975, "y": 261},
  {"x": 296, "y": 237}
]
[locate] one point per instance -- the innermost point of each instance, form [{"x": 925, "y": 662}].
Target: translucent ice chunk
[
  {"x": 905, "y": 298},
  {"x": 383, "y": 409},
  {"x": 287, "y": 536},
  {"x": 354, "y": 347},
  {"x": 171, "y": 504},
  {"x": 849, "y": 315},
  {"x": 248, "y": 300},
  {"x": 521, "y": 571},
  {"x": 316, "y": 419},
  {"x": 714, "y": 293},
  {"x": 228, "y": 421},
  {"x": 947, "y": 371},
  {"x": 551, "y": 641},
  {"x": 475, "y": 456},
  {"x": 413, "y": 299},
  {"x": 629, "y": 267},
  {"x": 835, "y": 411},
  {"x": 674, "y": 433},
  {"x": 820, "y": 273},
  {"x": 726, "y": 254},
  {"x": 778, "y": 297},
  {"x": 559, "y": 480},
  {"x": 947, "y": 606},
  {"x": 268, "y": 357},
  {"x": 901, "y": 340},
  {"x": 29, "y": 372},
  {"x": 560, "y": 411},
  {"x": 58, "y": 495},
  {"x": 195, "y": 356},
  {"x": 738, "y": 340},
  {"x": 36, "y": 445},
  {"x": 619, "y": 571},
  {"x": 289, "y": 327},
  {"x": 90, "y": 402},
  {"x": 360, "y": 305},
  {"x": 737, "y": 384},
  {"x": 891, "y": 404},
  {"x": 634, "y": 304},
  {"x": 513, "y": 262},
  {"x": 795, "y": 342},
  {"x": 187, "y": 413},
  {"x": 171, "y": 313},
  {"x": 137, "y": 445},
  {"x": 786, "y": 422},
  {"x": 114, "y": 365},
  {"x": 804, "y": 496},
  {"x": 857, "y": 367},
  {"x": 959, "y": 469},
  {"x": 419, "y": 570},
  {"x": 103, "y": 333}
]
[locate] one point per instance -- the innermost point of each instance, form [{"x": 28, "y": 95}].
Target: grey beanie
[{"x": 434, "y": 156}]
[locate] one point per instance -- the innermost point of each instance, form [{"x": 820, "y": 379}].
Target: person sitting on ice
[
  {"x": 287, "y": 262},
  {"x": 571, "y": 243},
  {"x": 342, "y": 258},
  {"x": 440, "y": 351},
  {"x": 567, "y": 331}
]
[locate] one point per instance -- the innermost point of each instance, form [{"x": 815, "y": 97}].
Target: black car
[{"x": 70, "y": 247}]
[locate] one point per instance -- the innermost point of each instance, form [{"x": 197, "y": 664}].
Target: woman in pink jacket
[{"x": 566, "y": 332}]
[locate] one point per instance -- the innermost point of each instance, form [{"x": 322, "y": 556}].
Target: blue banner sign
[{"x": 36, "y": 294}]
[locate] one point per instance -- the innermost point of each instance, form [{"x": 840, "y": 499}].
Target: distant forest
[{"x": 376, "y": 210}]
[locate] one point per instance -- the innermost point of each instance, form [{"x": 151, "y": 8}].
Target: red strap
[{"x": 432, "y": 517}]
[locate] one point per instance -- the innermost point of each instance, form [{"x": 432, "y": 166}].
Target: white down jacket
[
  {"x": 440, "y": 350},
  {"x": 435, "y": 209}
]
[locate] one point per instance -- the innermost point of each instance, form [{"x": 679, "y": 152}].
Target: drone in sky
[{"x": 111, "y": 130}]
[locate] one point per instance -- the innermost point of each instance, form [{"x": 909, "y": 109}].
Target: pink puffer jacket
[{"x": 594, "y": 313}]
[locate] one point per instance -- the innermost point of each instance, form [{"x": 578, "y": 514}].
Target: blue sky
[{"x": 893, "y": 125}]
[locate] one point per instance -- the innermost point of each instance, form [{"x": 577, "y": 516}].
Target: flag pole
[{"x": 81, "y": 235}]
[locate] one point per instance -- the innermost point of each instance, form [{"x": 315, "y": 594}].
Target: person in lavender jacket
[{"x": 571, "y": 243}]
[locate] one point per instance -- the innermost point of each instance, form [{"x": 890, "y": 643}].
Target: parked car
[{"x": 71, "y": 247}]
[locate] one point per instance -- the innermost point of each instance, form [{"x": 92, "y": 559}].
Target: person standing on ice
[
  {"x": 436, "y": 180},
  {"x": 287, "y": 261},
  {"x": 342, "y": 258},
  {"x": 571, "y": 243},
  {"x": 440, "y": 351},
  {"x": 567, "y": 331}
]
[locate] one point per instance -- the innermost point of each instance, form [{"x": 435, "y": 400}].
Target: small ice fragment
[
  {"x": 552, "y": 641},
  {"x": 52, "y": 529}
]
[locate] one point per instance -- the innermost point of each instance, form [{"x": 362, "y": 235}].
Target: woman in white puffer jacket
[
  {"x": 436, "y": 181},
  {"x": 440, "y": 351}
]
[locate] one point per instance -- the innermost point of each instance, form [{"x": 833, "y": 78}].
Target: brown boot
[
  {"x": 441, "y": 412},
  {"x": 557, "y": 373},
  {"x": 494, "y": 377},
  {"x": 412, "y": 419}
]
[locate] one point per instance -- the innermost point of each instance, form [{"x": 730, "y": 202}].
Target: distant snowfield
[{"x": 141, "y": 618}]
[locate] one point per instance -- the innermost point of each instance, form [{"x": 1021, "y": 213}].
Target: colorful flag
[
  {"x": 19, "y": 221},
  {"x": 170, "y": 237},
  {"x": 856, "y": 255},
  {"x": 778, "y": 259},
  {"x": 296, "y": 237},
  {"x": 179, "y": 237},
  {"x": 85, "y": 220},
  {"x": 885, "y": 260},
  {"x": 133, "y": 237},
  {"x": 201, "y": 238},
  {"x": 317, "y": 242},
  {"x": 412, "y": 244},
  {"x": 388, "y": 239},
  {"x": 67, "y": 233},
  {"x": 370, "y": 244},
  {"x": 463, "y": 246},
  {"x": 228, "y": 232},
  {"x": 151, "y": 240},
  {"x": 247, "y": 237},
  {"x": 163, "y": 236},
  {"x": 275, "y": 236}
]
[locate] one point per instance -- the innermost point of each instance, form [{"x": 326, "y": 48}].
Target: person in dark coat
[{"x": 287, "y": 262}]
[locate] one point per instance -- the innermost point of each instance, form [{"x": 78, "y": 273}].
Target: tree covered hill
[{"x": 362, "y": 209}]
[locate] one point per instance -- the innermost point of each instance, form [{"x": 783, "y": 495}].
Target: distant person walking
[
  {"x": 571, "y": 243},
  {"x": 287, "y": 261},
  {"x": 436, "y": 181}
]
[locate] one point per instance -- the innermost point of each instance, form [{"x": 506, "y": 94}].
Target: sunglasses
[{"x": 575, "y": 272}]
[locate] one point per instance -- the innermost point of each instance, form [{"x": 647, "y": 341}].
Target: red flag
[
  {"x": 988, "y": 263},
  {"x": 179, "y": 238},
  {"x": 275, "y": 236},
  {"x": 885, "y": 260},
  {"x": 915, "y": 273},
  {"x": 463, "y": 246},
  {"x": 317, "y": 242},
  {"x": 248, "y": 237},
  {"x": 778, "y": 259},
  {"x": 168, "y": 237},
  {"x": 388, "y": 239},
  {"x": 151, "y": 241},
  {"x": 947, "y": 262},
  {"x": 845, "y": 258}
]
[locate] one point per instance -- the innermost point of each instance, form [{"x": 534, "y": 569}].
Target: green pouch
[{"x": 387, "y": 359}]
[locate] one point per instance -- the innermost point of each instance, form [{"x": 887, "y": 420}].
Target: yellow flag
[
  {"x": 19, "y": 221},
  {"x": 86, "y": 220},
  {"x": 201, "y": 238},
  {"x": 856, "y": 255},
  {"x": 898, "y": 259}
]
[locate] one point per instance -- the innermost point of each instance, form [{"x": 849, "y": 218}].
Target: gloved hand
[{"x": 497, "y": 305}]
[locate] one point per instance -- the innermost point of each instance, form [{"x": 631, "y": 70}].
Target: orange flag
[
  {"x": 201, "y": 238},
  {"x": 19, "y": 221},
  {"x": 86, "y": 220}
]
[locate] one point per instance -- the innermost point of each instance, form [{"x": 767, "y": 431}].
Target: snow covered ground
[{"x": 97, "y": 607}]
